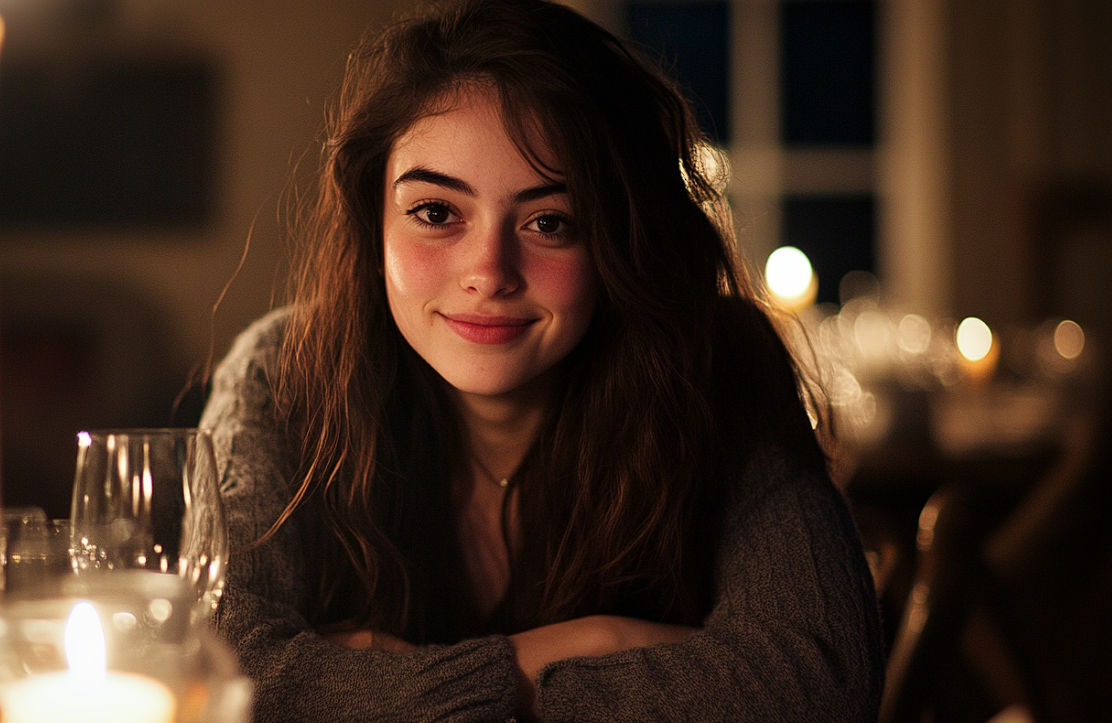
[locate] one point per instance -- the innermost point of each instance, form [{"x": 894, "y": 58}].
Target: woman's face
[{"x": 486, "y": 274}]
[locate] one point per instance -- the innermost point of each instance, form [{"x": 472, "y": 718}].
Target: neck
[
  {"x": 500, "y": 432},
  {"x": 500, "y": 429}
]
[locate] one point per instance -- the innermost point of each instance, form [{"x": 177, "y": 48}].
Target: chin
[
  {"x": 484, "y": 387},
  {"x": 489, "y": 382}
]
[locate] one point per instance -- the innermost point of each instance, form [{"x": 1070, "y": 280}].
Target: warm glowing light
[
  {"x": 790, "y": 278},
  {"x": 788, "y": 272},
  {"x": 84, "y": 642},
  {"x": 87, "y": 692},
  {"x": 872, "y": 330},
  {"x": 974, "y": 339},
  {"x": 845, "y": 390},
  {"x": 1069, "y": 339},
  {"x": 716, "y": 166},
  {"x": 978, "y": 351},
  {"x": 84, "y": 439},
  {"x": 914, "y": 334},
  {"x": 160, "y": 609},
  {"x": 713, "y": 165}
]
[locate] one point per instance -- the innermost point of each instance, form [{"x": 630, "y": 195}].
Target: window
[
  {"x": 788, "y": 87},
  {"x": 693, "y": 40}
]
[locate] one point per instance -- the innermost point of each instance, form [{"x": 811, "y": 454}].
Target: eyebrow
[{"x": 425, "y": 175}]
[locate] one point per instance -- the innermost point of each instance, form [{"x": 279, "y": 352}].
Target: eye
[
  {"x": 432, "y": 214},
  {"x": 550, "y": 224}
]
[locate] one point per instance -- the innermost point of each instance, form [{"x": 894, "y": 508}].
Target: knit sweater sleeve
[
  {"x": 794, "y": 633},
  {"x": 298, "y": 675}
]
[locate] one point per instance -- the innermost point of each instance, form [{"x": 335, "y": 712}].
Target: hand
[
  {"x": 582, "y": 637},
  {"x": 367, "y": 639}
]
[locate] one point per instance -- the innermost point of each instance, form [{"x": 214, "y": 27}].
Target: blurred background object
[
  {"x": 79, "y": 352},
  {"x": 144, "y": 145}
]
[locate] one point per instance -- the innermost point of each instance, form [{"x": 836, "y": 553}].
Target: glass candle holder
[{"x": 122, "y": 651}]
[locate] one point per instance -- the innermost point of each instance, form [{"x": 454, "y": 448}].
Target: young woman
[{"x": 526, "y": 444}]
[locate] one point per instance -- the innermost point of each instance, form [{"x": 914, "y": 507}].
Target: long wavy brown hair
[{"x": 679, "y": 378}]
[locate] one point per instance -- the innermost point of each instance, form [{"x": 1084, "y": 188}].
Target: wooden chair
[{"x": 1012, "y": 605}]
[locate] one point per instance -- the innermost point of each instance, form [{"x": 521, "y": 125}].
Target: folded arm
[{"x": 793, "y": 636}]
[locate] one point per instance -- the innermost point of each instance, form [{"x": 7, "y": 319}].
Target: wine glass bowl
[{"x": 149, "y": 500}]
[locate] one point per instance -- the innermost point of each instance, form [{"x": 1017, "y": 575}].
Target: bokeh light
[
  {"x": 914, "y": 334},
  {"x": 788, "y": 273},
  {"x": 1069, "y": 339},
  {"x": 974, "y": 339}
]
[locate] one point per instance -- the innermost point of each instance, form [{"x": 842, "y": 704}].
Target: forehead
[{"x": 469, "y": 120}]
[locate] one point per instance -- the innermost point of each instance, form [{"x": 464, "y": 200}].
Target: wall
[
  {"x": 127, "y": 314},
  {"x": 1029, "y": 128},
  {"x": 278, "y": 61}
]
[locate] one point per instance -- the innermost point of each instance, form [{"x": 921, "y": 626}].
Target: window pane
[
  {"x": 836, "y": 232},
  {"x": 827, "y": 90},
  {"x": 693, "y": 40}
]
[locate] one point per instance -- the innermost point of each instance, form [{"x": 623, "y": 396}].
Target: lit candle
[
  {"x": 978, "y": 350},
  {"x": 87, "y": 692},
  {"x": 791, "y": 279}
]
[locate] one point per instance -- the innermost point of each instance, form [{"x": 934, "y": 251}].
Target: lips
[{"x": 487, "y": 329}]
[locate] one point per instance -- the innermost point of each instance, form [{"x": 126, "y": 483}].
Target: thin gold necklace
[{"x": 503, "y": 482}]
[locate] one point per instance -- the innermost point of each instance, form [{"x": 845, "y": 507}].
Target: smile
[{"x": 487, "y": 329}]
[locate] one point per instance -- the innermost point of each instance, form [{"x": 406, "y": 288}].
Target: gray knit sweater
[{"x": 793, "y": 634}]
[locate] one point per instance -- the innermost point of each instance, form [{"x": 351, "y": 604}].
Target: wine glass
[{"x": 149, "y": 500}]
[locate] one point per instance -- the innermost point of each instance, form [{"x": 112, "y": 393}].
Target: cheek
[
  {"x": 570, "y": 285},
  {"x": 411, "y": 279},
  {"x": 411, "y": 270}
]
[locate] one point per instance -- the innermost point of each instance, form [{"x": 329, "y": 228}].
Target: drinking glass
[
  {"x": 149, "y": 500},
  {"x": 36, "y": 557}
]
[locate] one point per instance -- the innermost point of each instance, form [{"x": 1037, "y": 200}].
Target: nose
[{"x": 490, "y": 264}]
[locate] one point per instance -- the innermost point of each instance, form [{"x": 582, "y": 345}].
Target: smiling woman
[
  {"x": 526, "y": 442},
  {"x": 485, "y": 274}
]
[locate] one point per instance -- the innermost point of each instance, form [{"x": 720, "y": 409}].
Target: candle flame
[{"x": 84, "y": 641}]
